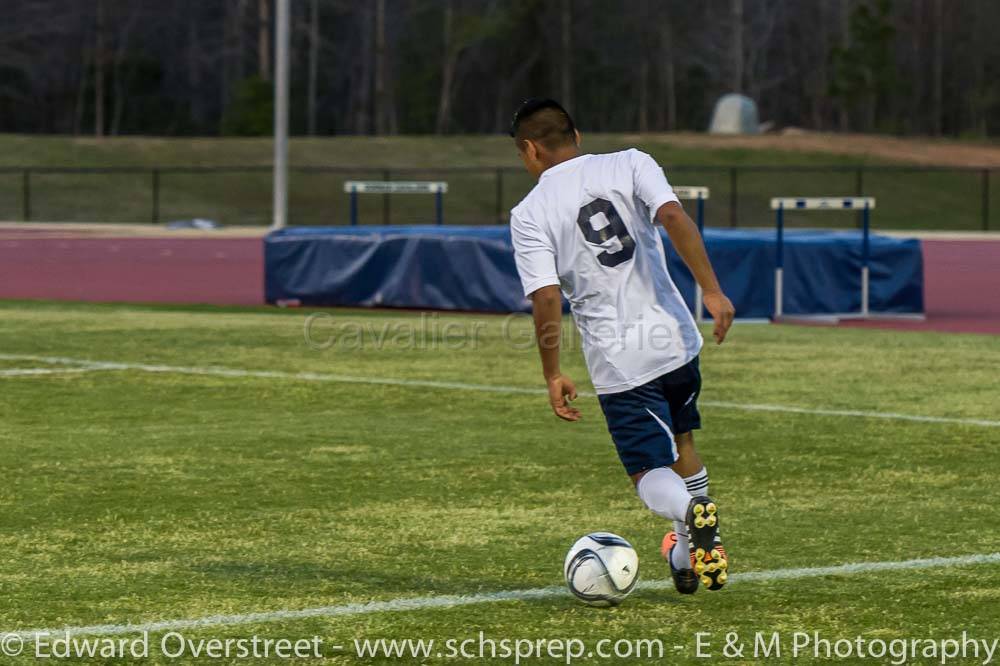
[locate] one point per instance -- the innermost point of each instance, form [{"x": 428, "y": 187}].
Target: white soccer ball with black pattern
[{"x": 601, "y": 569}]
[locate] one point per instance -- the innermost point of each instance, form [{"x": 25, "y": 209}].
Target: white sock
[
  {"x": 664, "y": 492},
  {"x": 697, "y": 484}
]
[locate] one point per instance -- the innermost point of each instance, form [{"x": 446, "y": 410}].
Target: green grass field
[
  {"x": 141, "y": 495},
  {"x": 944, "y": 200}
]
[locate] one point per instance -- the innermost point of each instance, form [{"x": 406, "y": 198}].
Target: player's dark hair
[{"x": 545, "y": 121}]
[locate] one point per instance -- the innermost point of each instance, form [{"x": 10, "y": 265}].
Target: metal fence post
[
  {"x": 779, "y": 261},
  {"x": 156, "y": 196},
  {"x": 859, "y": 190},
  {"x": 699, "y": 294},
  {"x": 26, "y": 195},
  {"x": 865, "y": 257},
  {"x": 499, "y": 207},
  {"x": 386, "y": 210},
  {"x": 986, "y": 199},
  {"x": 734, "y": 196}
]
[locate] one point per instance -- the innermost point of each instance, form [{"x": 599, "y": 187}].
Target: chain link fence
[{"x": 908, "y": 197}]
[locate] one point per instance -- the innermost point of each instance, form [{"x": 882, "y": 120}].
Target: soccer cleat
[
  {"x": 685, "y": 580},
  {"x": 709, "y": 561}
]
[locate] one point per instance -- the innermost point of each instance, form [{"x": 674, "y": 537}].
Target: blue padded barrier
[{"x": 472, "y": 268}]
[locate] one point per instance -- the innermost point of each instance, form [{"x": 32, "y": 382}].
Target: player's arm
[
  {"x": 687, "y": 241},
  {"x": 546, "y": 307},
  {"x": 535, "y": 257}
]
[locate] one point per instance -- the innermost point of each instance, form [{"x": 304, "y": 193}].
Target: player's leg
[
  {"x": 688, "y": 461},
  {"x": 640, "y": 424},
  {"x": 663, "y": 492},
  {"x": 697, "y": 536},
  {"x": 695, "y": 476},
  {"x": 689, "y": 467}
]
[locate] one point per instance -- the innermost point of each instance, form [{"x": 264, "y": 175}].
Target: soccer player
[{"x": 588, "y": 230}]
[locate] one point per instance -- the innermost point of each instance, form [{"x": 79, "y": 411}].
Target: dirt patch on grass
[{"x": 874, "y": 148}]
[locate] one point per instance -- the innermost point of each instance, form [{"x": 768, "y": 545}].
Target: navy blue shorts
[{"x": 643, "y": 421}]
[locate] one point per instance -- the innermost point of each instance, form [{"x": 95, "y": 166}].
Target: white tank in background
[{"x": 735, "y": 114}]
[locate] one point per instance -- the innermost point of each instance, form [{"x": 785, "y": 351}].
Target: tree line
[{"x": 203, "y": 67}]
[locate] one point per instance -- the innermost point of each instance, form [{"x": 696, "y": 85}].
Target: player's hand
[
  {"x": 561, "y": 391},
  {"x": 722, "y": 312}
]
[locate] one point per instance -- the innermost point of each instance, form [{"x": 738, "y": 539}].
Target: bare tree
[
  {"x": 643, "y": 31},
  {"x": 758, "y": 77},
  {"x": 194, "y": 65},
  {"x": 448, "y": 64},
  {"x": 443, "y": 65},
  {"x": 236, "y": 50},
  {"x": 817, "y": 81},
  {"x": 566, "y": 54},
  {"x": 845, "y": 43},
  {"x": 916, "y": 55},
  {"x": 383, "y": 106},
  {"x": 363, "y": 85},
  {"x": 668, "y": 82},
  {"x": 980, "y": 99},
  {"x": 99, "y": 72},
  {"x": 264, "y": 39},
  {"x": 231, "y": 53},
  {"x": 736, "y": 53},
  {"x": 501, "y": 111},
  {"x": 81, "y": 89},
  {"x": 120, "y": 88},
  {"x": 313, "y": 66},
  {"x": 937, "y": 76}
]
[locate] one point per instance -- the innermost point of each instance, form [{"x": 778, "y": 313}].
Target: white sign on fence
[
  {"x": 823, "y": 203},
  {"x": 690, "y": 192},
  {"x": 395, "y": 187}
]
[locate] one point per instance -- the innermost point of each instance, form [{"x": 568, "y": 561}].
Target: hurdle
[
  {"x": 355, "y": 187},
  {"x": 781, "y": 204},
  {"x": 699, "y": 194}
]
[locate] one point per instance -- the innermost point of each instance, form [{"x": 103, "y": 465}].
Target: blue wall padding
[{"x": 472, "y": 268}]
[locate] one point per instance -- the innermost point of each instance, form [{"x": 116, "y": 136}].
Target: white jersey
[{"x": 589, "y": 226}]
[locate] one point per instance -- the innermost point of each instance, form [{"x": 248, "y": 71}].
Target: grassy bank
[{"x": 910, "y": 200}]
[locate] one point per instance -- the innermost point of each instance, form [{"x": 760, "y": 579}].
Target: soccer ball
[{"x": 601, "y": 569}]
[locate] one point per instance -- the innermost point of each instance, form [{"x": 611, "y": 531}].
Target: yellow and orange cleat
[
  {"x": 709, "y": 560},
  {"x": 685, "y": 580}
]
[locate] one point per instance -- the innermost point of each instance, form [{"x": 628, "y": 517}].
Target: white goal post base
[{"x": 838, "y": 317}]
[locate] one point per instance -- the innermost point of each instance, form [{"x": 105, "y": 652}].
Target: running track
[
  {"x": 220, "y": 271},
  {"x": 962, "y": 277},
  {"x": 961, "y": 289}
]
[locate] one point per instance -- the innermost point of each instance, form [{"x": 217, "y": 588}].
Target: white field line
[
  {"x": 893, "y": 416},
  {"x": 28, "y": 372},
  {"x": 450, "y": 601},
  {"x": 216, "y": 371}
]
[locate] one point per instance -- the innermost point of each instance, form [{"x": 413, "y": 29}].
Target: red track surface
[
  {"x": 222, "y": 271},
  {"x": 962, "y": 278},
  {"x": 961, "y": 289}
]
